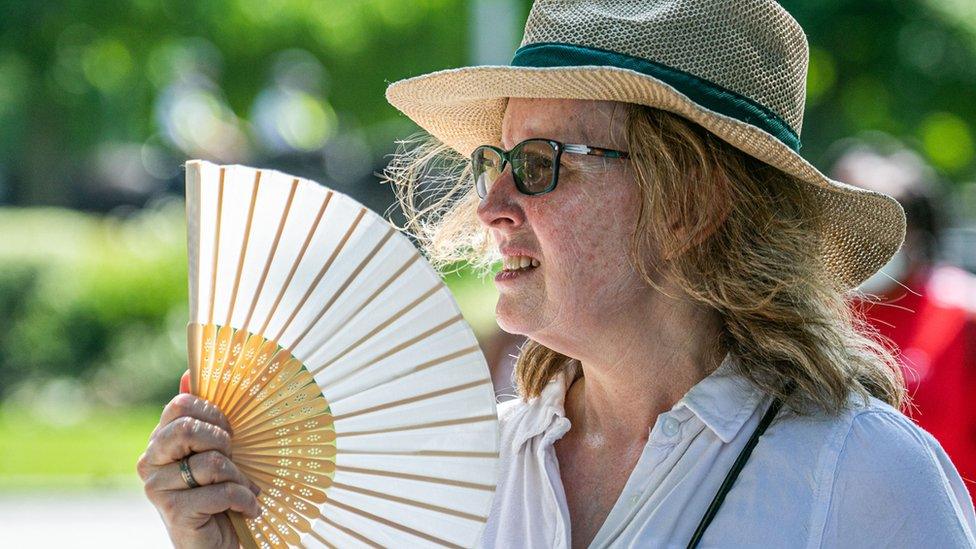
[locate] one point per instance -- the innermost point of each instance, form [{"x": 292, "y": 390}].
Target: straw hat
[{"x": 735, "y": 67}]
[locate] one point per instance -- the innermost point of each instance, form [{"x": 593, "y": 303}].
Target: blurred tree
[
  {"x": 101, "y": 100},
  {"x": 907, "y": 68}
]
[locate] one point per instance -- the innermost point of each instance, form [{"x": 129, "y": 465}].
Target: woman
[{"x": 679, "y": 270}]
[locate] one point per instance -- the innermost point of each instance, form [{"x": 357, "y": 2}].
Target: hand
[{"x": 194, "y": 517}]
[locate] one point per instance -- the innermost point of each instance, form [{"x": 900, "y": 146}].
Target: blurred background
[{"x": 101, "y": 102}]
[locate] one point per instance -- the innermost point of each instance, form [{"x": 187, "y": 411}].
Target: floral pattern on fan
[{"x": 283, "y": 433}]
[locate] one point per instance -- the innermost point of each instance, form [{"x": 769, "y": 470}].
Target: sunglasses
[{"x": 535, "y": 164}]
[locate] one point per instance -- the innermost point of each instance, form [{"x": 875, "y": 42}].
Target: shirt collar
[
  {"x": 723, "y": 401},
  {"x": 541, "y": 411}
]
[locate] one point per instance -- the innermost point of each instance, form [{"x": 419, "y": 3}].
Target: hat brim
[{"x": 464, "y": 107}]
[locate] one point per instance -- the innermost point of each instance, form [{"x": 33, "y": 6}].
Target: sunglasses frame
[{"x": 558, "y": 150}]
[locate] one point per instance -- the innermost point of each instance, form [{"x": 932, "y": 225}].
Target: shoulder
[
  {"x": 866, "y": 472},
  {"x": 892, "y": 480}
]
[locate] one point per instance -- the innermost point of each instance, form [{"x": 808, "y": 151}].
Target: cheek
[{"x": 590, "y": 238}]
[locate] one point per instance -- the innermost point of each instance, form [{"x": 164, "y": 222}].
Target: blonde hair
[{"x": 751, "y": 254}]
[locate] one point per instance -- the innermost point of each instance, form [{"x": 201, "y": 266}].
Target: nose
[{"x": 501, "y": 208}]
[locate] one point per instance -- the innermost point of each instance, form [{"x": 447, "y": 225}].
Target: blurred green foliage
[
  {"x": 903, "y": 67},
  {"x": 81, "y": 75},
  {"x": 99, "y": 450},
  {"x": 98, "y": 300}
]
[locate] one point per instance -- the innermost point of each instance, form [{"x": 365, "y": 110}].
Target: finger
[
  {"x": 199, "y": 504},
  {"x": 184, "y": 436},
  {"x": 185, "y": 404},
  {"x": 185, "y": 382},
  {"x": 207, "y": 468}
]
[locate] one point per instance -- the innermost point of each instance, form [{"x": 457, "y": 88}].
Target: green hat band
[{"x": 699, "y": 90}]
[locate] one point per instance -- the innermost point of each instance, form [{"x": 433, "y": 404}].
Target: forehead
[{"x": 566, "y": 120}]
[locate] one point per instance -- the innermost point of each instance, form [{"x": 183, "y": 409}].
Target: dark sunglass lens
[
  {"x": 486, "y": 168},
  {"x": 533, "y": 162}
]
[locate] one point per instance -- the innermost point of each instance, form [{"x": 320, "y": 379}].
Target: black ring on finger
[{"x": 187, "y": 474}]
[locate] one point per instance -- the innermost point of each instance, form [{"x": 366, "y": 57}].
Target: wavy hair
[{"x": 756, "y": 262}]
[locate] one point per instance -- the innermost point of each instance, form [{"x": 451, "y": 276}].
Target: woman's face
[{"x": 580, "y": 233}]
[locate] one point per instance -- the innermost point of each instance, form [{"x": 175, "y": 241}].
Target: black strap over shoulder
[{"x": 733, "y": 474}]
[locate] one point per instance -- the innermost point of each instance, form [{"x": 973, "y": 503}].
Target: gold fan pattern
[{"x": 283, "y": 435}]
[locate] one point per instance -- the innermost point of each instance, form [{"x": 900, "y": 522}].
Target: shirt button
[
  {"x": 634, "y": 500},
  {"x": 671, "y": 426}
]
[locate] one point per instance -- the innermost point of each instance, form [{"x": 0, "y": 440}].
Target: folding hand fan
[{"x": 359, "y": 399}]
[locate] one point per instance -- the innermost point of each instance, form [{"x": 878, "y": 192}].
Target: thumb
[{"x": 185, "y": 382}]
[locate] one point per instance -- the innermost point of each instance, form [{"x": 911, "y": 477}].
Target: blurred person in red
[{"x": 923, "y": 305}]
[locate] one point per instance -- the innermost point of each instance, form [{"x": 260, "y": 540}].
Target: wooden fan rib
[
  {"x": 251, "y": 537},
  {"x": 301, "y": 446},
  {"x": 214, "y": 389},
  {"x": 414, "y": 399},
  {"x": 324, "y": 455},
  {"x": 194, "y": 228},
  {"x": 346, "y": 531},
  {"x": 271, "y": 534},
  {"x": 319, "y": 467},
  {"x": 296, "y": 262},
  {"x": 394, "y": 350},
  {"x": 281, "y": 370},
  {"x": 216, "y": 244},
  {"x": 418, "y": 453},
  {"x": 247, "y": 236},
  {"x": 318, "y": 537},
  {"x": 238, "y": 346},
  {"x": 208, "y": 343},
  {"x": 362, "y": 306},
  {"x": 312, "y": 480},
  {"x": 420, "y": 478},
  {"x": 318, "y": 278},
  {"x": 287, "y": 413},
  {"x": 274, "y": 535},
  {"x": 279, "y": 393},
  {"x": 225, "y": 335},
  {"x": 336, "y": 403},
  {"x": 194, "y": 218},
  {"x": 429, "y": 425},
  {"x": 318, "y": 422},
  {"x": 411, "y": 502},
  {"x": 265, "y": 481},
  {"x": 326, "y": 434},
  {"x": 255, "y": 347},
  {"x": 264, "y": 381},
  {"x": 271, "y": 254},
  {"x": 325, "y": 463},
  {"x": 342, "y": 289},
  {"x": 391, "y": 524},
  {"x": 204, "y": 382},
  {"x": 255, "y": 380},
  {"x": 393, "y": 318}
]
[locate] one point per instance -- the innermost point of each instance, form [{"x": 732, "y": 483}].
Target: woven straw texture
[{"x": 752, "y": 47}]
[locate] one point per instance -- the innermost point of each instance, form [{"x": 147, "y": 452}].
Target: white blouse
[{"x": 868, "y": 477}]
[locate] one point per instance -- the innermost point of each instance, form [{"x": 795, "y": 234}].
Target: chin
[{"x": 512, "y": 321}]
